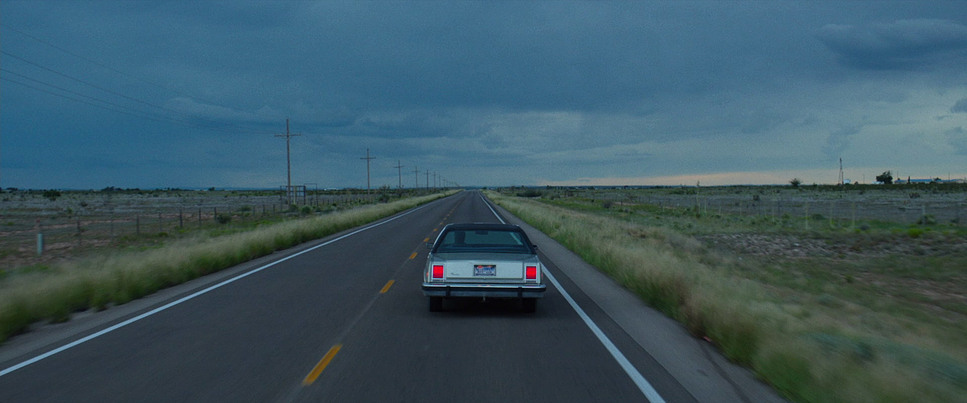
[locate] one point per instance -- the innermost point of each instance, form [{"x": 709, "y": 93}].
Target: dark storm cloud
[
  {"x": 838, "y": 141},
  {"x": 960, "y": 106},
  {"x": 957, "y": 138},
  {"x": 538, "y": 56},
  {"x": 492, "y": 92},
  {"x": 903, "y": 44}
]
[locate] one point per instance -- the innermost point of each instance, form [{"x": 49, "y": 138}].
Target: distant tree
[
  {"x": 795, "y": 182},
  {"x": 51, "y": 194},
  {"x": 885, "y": 177}
]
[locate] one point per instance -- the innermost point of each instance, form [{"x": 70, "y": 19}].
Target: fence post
[
  {"x": 830, "y": 214},
  {"x": 854, "y": 216},
  {"x": 807, "y": 215},
  {"x": 40, "y": 239}
]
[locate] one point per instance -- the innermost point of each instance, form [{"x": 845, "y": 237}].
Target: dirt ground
[{"x": 793, "y": 246}]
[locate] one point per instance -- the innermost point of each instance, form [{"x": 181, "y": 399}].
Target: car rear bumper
[{"x": 484, "y": 290}]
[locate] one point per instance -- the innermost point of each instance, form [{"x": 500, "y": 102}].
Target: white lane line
[
  {"x": 190, "y": 297},
  {"x": 646, "y": 389},
  {"x": 650, "y": 393}
]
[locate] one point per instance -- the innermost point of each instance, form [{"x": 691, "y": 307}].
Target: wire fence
[
  {"x": 889, "y": 211},
  {"x": 899, "y": 207},
  {"x": 35, "y": 230}
]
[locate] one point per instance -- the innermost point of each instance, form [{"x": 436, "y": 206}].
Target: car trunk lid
[{"x": 487, "y": 267}]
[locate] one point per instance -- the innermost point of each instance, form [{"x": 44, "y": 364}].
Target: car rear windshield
[{"x": 483, "y": 241}]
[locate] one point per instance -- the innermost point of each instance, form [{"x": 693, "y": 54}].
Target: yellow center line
[
  {"x": 321, "y": 365},
  {"x": 387, "y": 286},
  {"x": 427, "y": 239},
  {"x": 413, "y": 256}
]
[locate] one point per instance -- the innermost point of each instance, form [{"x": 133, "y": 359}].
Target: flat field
[
  {"x": 77, "y": 223},
  {"x": 828, "y": 293},
  {"x": 112, "y": 258}
]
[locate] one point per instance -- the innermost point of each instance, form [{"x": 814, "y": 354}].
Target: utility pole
[
  {"x": 841, "y": 179},
  {"x": 434, "y": 180},
  {"x": 288, "y": 160},
  {"x": 416, "y": 177},
  {"x": 427, "y": 179},
  {"x": 399, "y": 171},
  {"x": 367, "y": 158}
]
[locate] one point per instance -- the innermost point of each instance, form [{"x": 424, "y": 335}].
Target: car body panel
[
  {"x": 483, "y": 260},
  {"x": 466, "y": 267}
]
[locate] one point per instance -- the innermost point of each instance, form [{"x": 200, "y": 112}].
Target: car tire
[
  {"x": 436, "y": 304},
  {"x": 528, "y": 305}
]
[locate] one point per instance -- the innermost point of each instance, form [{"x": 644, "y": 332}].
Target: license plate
[{"x": 485, "y": 270}]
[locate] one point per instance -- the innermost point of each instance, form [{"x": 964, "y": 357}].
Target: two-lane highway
[{"x": 343, "y": 319}]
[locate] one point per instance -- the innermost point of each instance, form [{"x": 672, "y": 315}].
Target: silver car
[{"x": 483, "y": 261}]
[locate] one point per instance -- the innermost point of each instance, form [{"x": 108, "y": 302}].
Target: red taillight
[
  {"x": 438, "y": 271},
  {"x": 530, "y": 273}
]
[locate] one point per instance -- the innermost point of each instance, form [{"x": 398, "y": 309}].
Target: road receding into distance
[{"x": 343, "y": 319}]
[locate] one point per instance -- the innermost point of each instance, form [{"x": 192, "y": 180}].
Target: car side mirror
[{"x": 535, "y": 246}]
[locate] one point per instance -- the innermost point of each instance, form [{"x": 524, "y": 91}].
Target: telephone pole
[
  {"x": 841, "y": 180},
  {"x": 427, "y": 179},
  {"x": 367, "y": 158},
  {"x": 399, "y": 171},
  {"x": 416, "y": 177},
  {"x": 288, "y": 160}
]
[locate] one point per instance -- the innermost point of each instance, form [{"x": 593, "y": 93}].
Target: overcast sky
[{"x": 192, "y": 93}]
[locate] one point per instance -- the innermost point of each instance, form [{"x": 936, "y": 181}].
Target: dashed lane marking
[
  {"x": 321, "y": 365},
  {"x": 387, "y": 286}
]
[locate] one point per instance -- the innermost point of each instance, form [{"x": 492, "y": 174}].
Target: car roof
[{"x": 482, "y": 226}]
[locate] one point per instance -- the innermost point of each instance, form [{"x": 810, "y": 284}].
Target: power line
[
  {"x": 85, "y": 82},
  {"x": 212, "y": 125},
  {"x": 103, "y": 104},
  {"x": 110, "y": 106},
  {"x": 108, "y": 67},
  {"x": 89, "y": 60}
]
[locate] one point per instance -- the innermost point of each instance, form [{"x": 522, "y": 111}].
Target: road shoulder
[{"x": 696, "y": 364}]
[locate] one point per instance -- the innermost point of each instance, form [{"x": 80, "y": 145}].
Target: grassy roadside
[
  {"x": 817, "y": 329},
  {"x": 110, "y": 279}
]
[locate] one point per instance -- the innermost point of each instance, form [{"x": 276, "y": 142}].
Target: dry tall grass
[
  {"x": 110, "y": 279},
  {"x": 810, "y": 349}
]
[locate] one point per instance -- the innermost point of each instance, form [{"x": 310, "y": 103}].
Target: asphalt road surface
[{"x": 343, "y": 319}]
